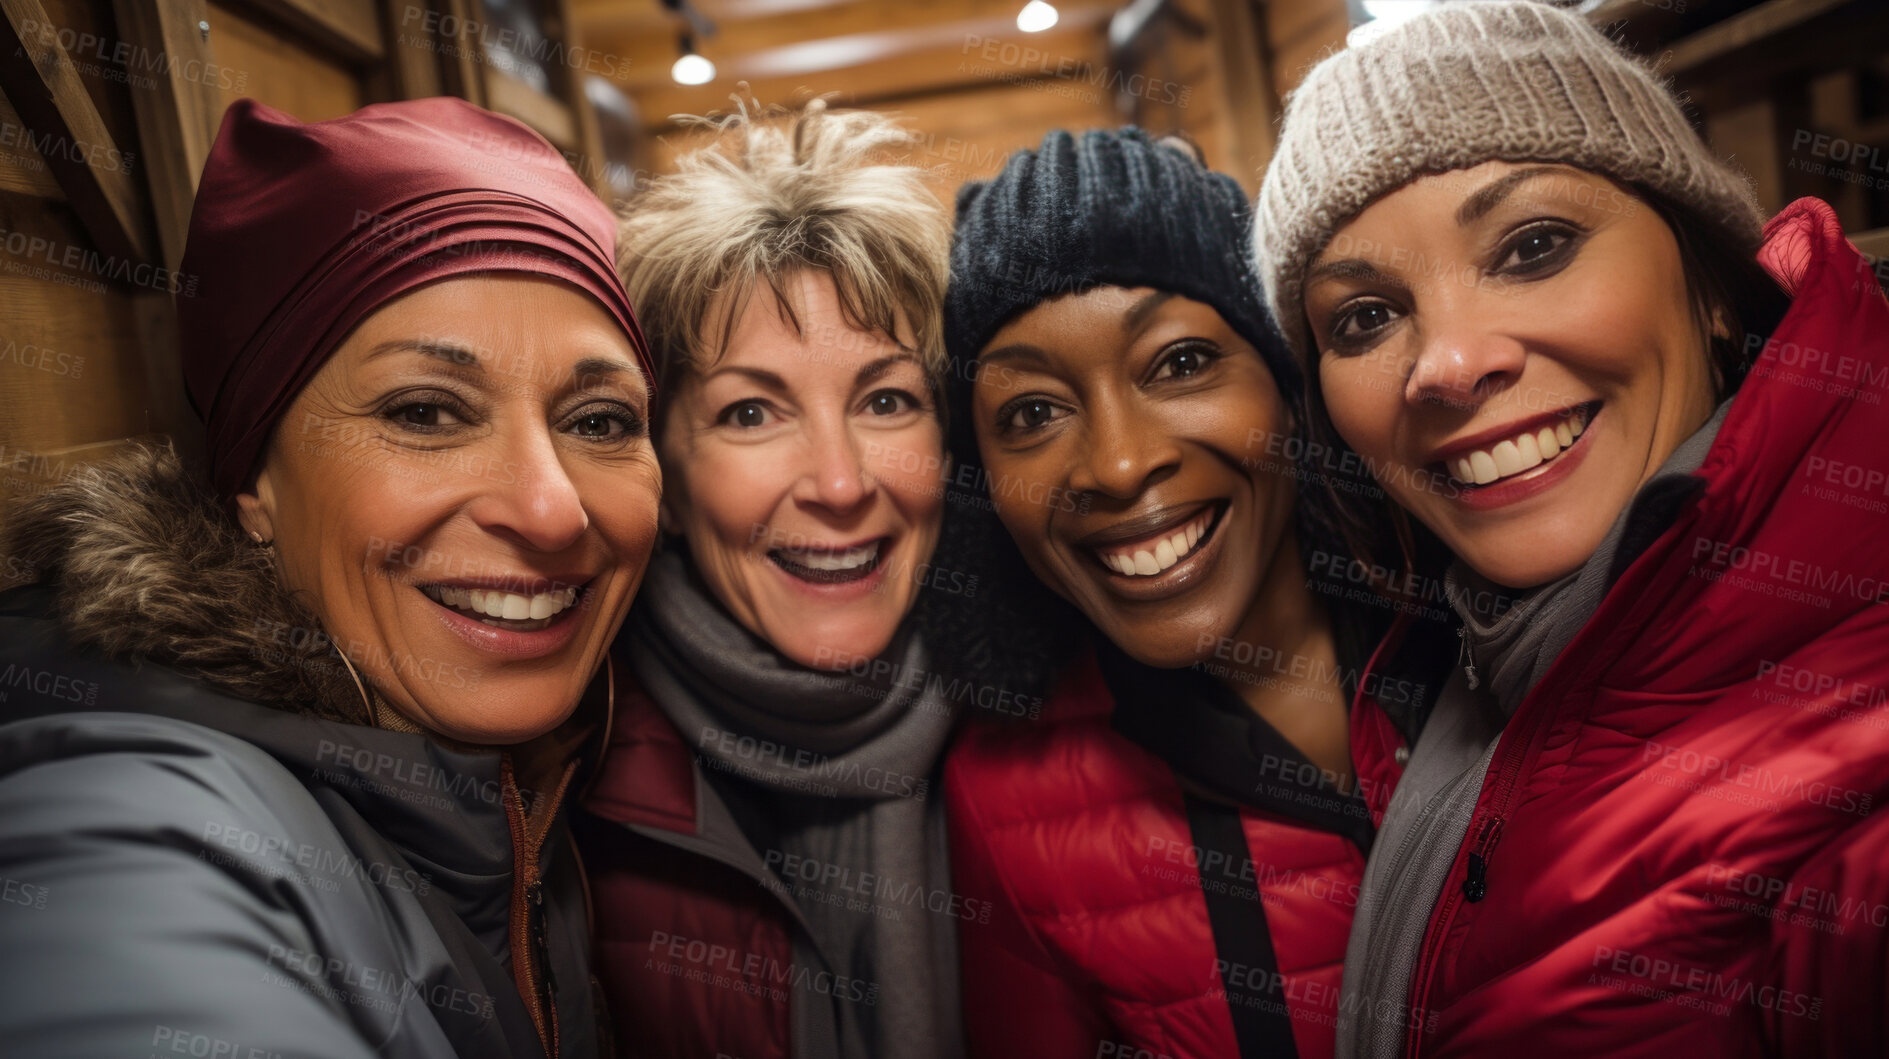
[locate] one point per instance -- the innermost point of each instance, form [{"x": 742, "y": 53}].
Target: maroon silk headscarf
[{"x": 301, "y": 230}]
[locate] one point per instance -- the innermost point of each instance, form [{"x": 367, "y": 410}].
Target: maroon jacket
[
  {"x": 694, "y": 952},
  {"x": 1133, "y": 916},
  {"x": 1678, "y": 837}
]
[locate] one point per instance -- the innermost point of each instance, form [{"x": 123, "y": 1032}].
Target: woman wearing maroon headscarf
[{"x": 284, "y": 744}]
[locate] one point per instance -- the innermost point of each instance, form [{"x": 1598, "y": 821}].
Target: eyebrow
[
  {"x": 1491, "y": 194},
  {"x": 457, "y": 356},
  {"x": 878, "y": 368},
  {"x": 1022, "y": 351},
  {"x": 602, "y": 366},
  {"x": 1138, "y": 314},
  {"x": 1349, "y": 268},
  {"x": 771, "y": 380}
]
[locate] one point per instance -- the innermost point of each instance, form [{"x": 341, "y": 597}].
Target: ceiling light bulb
[
  {"x": 692, "y": 69},
  {"x": 1036, "y": 17}
]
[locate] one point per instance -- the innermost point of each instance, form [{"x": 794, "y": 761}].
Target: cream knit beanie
[{"x": 1467, "y": 83}]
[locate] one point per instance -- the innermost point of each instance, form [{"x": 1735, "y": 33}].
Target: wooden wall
[
  {"x": 86, "y": 353},
  {"x": 1796, "y": 92},
  {"x": 107, "y": 111}
]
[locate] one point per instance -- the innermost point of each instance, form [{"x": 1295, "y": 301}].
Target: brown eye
[
  {"x": 1536, "y": 249},
  {"x": 1361, "y": 321},
  {"x": 1029, "y": 413},
  {"x": 744, "y": 414},
  {"x": 1186, "y": 360},
  {"x": 1536, "y": 244},
  {"x": 890, "y": 402},
  {"x": 429, "y": 413}
]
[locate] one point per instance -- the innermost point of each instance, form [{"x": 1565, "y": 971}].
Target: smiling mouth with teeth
[
  {"x": 1156, "y": 554},
  {"x": 505, "y": 610},
  {"x": 1523, "y": 452},
  {"x": 824, "y": 566}
]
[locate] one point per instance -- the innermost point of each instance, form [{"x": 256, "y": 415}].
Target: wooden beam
[
  {"x": 177, "y": 116},
  {"x": 51, "y": 101},
  {"x": 1740, "y": 58},
  {"x": 552, "y": 117},
  {"x": 350, "y": 29},
  {"x": 730, "y": 16},
  {"x": 462, "y": 54},
  {"x": 591, "y": 163},
  {"x": 21, "y": 167},
  {"x": 413, "y": 60},
  {"x": 1743, "y": 32}
]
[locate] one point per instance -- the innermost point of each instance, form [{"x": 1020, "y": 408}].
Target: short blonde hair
[{"x": 776, "y": 193}]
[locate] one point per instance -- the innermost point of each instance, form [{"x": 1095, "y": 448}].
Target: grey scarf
[
  {"x": 836, "y": 773},
  {"x": 1512, "y": 638}
]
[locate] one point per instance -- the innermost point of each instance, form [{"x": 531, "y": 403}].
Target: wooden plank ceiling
[{"x": 874, "y": 53}]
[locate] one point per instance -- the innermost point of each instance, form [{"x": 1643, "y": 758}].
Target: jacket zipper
[
  {"x": 541, "y": 953},
  {"x": 531, "y": 960},
  {"x": 1487, "y": 829}
]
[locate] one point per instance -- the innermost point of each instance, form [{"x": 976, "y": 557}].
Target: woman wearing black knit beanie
[{"x": 1165, "y": 859}]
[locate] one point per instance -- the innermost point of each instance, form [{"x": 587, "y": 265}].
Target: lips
[
  {"x": 831, "y": 566},
  {"x": 1523, "y": 450},
  {"x": 1155, "y": 553}
]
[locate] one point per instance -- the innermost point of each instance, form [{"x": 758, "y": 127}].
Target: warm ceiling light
[
  {"x": 691, "y": 69},
  {"x": 1036, "y": 17}
]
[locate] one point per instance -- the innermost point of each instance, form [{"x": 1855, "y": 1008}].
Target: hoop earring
[
  {"x": 373, "y": 714},
  {"x": 609, "y": 723},
  {"x": 256, "y": 538}
]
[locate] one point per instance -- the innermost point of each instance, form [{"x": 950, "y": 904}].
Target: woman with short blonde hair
[
  {"x": 771, "y": 877},
  {"x": 773, "y": 195}
]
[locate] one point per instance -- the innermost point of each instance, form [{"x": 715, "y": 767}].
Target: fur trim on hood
[{"x": 146, "y": 564}]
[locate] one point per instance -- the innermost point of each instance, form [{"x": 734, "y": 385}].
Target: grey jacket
[{"x": 186, "y": 872}]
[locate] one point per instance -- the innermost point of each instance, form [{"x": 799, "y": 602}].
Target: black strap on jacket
[
  {"x": 1249, "y": 972},
  {"x": 1214, "y": 741}
]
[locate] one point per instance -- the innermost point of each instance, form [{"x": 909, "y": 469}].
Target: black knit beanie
[{"x": 1110, "y": 208}]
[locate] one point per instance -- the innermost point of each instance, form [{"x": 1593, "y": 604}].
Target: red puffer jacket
[
  {"x": 1133, "y": 916},
  {"x": 1677, "y": 840}
]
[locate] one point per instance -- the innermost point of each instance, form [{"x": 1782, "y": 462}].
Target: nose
[
  {"x": 835, "y": 475},
  {"x": 527, "y": 496},
  {"x": 1123, "y": 453},
  {"x": 1461, "y": 361}
]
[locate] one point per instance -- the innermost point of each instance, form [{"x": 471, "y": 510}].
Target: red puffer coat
[
  {"x": 1136, "y": 917},
  {"x": 1678, "y": 838}
]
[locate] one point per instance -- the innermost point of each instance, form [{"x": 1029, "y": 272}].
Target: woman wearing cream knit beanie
[{"x": 1639, "y": 427}]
